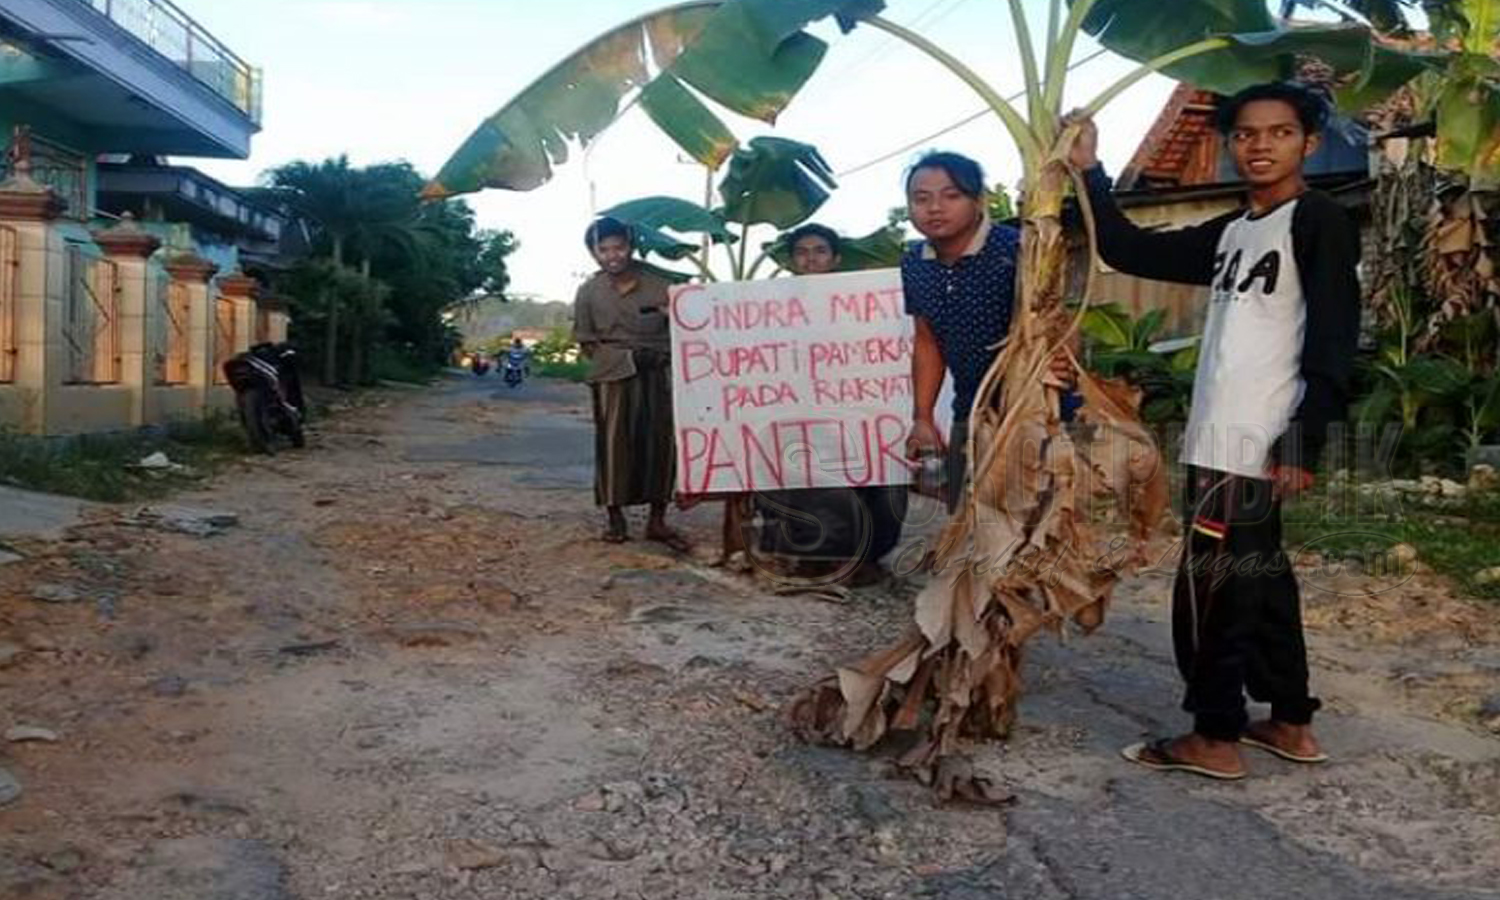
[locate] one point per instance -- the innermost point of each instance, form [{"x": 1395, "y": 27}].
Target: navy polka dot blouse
[{"x": 968, "y": 305}]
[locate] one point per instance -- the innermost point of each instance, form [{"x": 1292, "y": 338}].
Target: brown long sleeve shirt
[{"x": 608, "y": 324}]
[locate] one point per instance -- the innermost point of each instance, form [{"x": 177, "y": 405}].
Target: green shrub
[{"x": 105, "y": 467}]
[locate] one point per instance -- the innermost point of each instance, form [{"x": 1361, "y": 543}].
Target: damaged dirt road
[{"x": 410, "y": 671}]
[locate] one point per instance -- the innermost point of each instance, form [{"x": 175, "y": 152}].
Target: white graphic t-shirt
[
  {"x": 1249, "y": 380},
  {"x": 1282, "y": 325}
]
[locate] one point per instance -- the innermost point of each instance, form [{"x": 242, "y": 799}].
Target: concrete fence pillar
[
  {"x": 244, "y": 292},
  {"x": 31, "y": 266},
  {"x": 274, "y": 319},
  {"x": 237, "y": 291},
  {"x": 130, "y": 249},
  {"x": 185, "y": 394}
]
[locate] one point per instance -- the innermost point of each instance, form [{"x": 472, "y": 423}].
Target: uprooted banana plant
[
  {"x": 1025, "y": 552},
  {"x": 1028, "y": 549}
]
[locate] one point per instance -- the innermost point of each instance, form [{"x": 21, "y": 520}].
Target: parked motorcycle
[{"x": 268, "y": 393}]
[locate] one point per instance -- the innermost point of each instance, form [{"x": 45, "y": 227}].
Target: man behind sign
[
  {"x": 834, "y": 533},
  {"x": 620, "y": 323}
]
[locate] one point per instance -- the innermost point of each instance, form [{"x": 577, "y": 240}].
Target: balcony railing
[{"x": 173, "y": 33}]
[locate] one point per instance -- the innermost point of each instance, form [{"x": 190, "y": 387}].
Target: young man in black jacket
[{"x": 1273, "y": 374}]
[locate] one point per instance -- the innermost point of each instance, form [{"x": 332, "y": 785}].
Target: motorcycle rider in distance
[{"x": 517, "y": 362}]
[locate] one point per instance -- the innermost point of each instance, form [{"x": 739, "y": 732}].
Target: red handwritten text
[
  {"x": 701, "y": 359},
  {"x": 876, "y": 351},
  {"x": 886, "y": 390},
  {"x": 691, "y": 313},
  {"x": 755, "y": 396},
  {"x": 869, "y": 306},
  {"x": 783, "y": 454}
]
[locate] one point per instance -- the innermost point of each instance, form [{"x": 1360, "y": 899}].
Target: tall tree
[
  {"x": 325, "y": 193},
  {"x": 498, "y": 246},
  {"x": 404, "y": 261}
]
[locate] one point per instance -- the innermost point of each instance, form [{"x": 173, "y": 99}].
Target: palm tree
[
  {"x": 327, "y": 194},
  {"x": 359, "y": 212}
]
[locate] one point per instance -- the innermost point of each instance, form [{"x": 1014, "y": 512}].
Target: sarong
[{"x": 634, "y": 447}]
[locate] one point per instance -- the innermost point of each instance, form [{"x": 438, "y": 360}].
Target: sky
[{"x": 385, "y": 80}]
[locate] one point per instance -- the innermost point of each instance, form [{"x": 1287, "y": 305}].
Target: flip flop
[
  {"x": 1287, "y": 755},
  {"x": 612, "y": 536},
  {"x": 828, "y": 593},
  {"x": 1163, "y": 761}
]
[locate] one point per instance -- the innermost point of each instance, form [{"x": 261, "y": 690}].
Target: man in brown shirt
[{"x": 620, "y": 320}]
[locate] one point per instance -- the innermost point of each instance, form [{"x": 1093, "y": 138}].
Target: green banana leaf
[
  {"x": 577, "y": 99},
  {"x": 1389, "y": 70},
  {"x": 647, "y": 217},
  {"x": 880, "y": 249},
  {"x": 1108, "y": 325},
  {"x": 1485, "y": 407},
  {"x": 682, "y": 216},
  {"x": 1468, "y": 103},
  {"x": 749, "y": 56},
  {"x": 1185, "y": 361},
  {"x": 652, "y": 240},
  {"x": 1477, "y": 20},
  {"x": 1259, "y": 50},
  {"x": 1147, "y": 327},
  {"x": 684, "y": 118},
  {"x": 775, "y": 181},
  {"x": 671, "y": 275},
  {"x": 754, "y": 56}
]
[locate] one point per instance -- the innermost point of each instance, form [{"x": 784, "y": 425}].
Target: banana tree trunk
[{"x": 1024, "y": 552}]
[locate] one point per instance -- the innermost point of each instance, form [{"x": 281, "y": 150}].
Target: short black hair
[
  {"x": 1312, "y": 107},
  {"x": 813, "y": 229},
  {"x": 605, "y": 227},
  {"x": 966, "y": 174}
]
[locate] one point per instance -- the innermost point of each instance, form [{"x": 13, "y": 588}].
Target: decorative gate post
[
  {"x": 235, "y": 324},
  {"x": 189, "y": 356},
  {"x": 31, "y": 286},
  {"x": 130, "y": 249}
]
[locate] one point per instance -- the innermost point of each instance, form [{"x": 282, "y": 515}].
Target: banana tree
[
  {"x": 1012, "y": 561},
  {"x": 1460, "y": 90},
  {"x": 1436, "y": 275},
  {"x": 771, "y": 182},
  {"x": 748, "y": 58}
]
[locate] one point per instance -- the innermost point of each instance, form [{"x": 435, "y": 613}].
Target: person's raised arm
[{"x": 1183, "y": 255}]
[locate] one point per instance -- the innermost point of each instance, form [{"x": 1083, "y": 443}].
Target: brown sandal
[
  {"x": 1289, "y": 756},
  {"x": 1155, "y": 755}
]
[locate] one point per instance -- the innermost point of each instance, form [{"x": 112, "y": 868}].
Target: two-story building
[{"x": 121, "y": 285}]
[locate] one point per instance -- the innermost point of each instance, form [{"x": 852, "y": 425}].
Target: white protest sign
[{"x": 793, "y": 383}]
